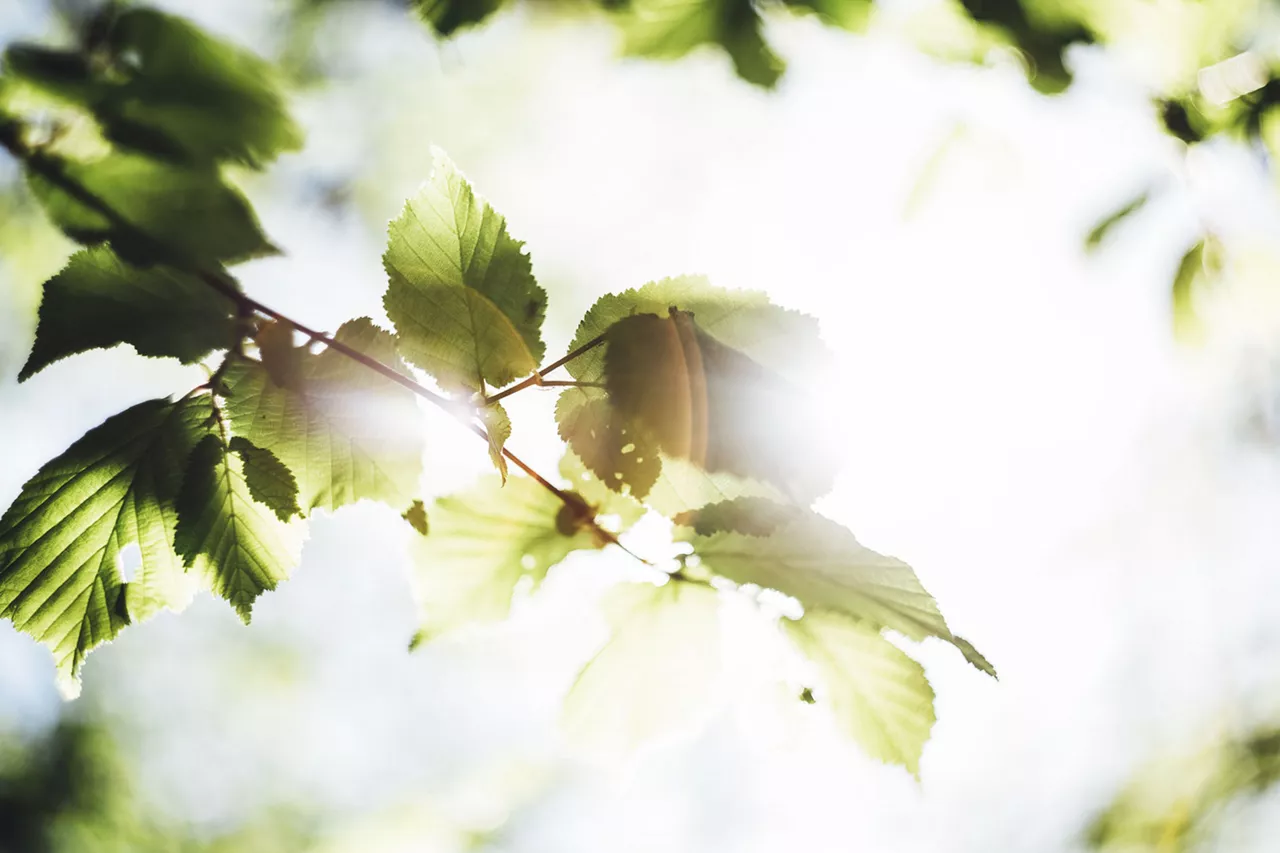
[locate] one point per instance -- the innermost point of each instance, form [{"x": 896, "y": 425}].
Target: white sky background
[{"x": 1080, "y": 494}]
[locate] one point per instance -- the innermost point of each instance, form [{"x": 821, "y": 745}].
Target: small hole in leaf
[
  {"x": 528, "y": 562},
  {"x": 628, "y": 448},
  {"x": 129, "y": 561}
]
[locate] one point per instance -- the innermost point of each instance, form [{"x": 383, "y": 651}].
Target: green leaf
[
  {"x": 1109, "y": 223},
  {"x": 270, "y": 482},
  {"x": 606, "y": 501},
  {"x": 448, "y": 16},
  {"x": 751, "y": 516},
  {"x": 821, "y": 564},
  {"x": 485, "y": 541},
  {"x": 671, "y": 29},
  {"x": 498, "y": 425},
  {"x": 1199, "y": 268},
  {"x": 160, "y": 85},
  {"x": 345, "y": 433},
  {"x": 61, "y": 540},
  {"x": 462, "y": 294},
  {"x": 745, "y": 320},
  {"x": 225, "y": 535},
  {"x": 655, "y": 674},
  {"x": 621, "y": 454},
  {"x": 878, "y": 694},
  {"x": 99, "y": 301},
  {"x": 280, "y": 358},
  {"x": 850, "y": 14},
  {"x": 149, "y": 210},
  {"x": 713, "y": 405},
  {"x": 416, "y": 515}
]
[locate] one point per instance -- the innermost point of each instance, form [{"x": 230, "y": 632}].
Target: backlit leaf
[
  {"x": 498, "y": 426},
  {"x": 752, "y": 516},
  {"x": 448, "y": 16},
  {"x": 1113, "y": 220},
  {"x": 462, "y": 294},
  {"x": 61, "y": 540},
  {"x": 270, "y": 482},
  {"x": 483, "y": 542},
  {"x": 671, "y": 29},
  {"x": 226, "y": 536},
  {"x": 656, "y": 673},
  {"x": 821, "y": 564},
  {"x": 878, "y": 694},
  {"x": 346, "y": 433},
  {"x": 99, "y": 301}
]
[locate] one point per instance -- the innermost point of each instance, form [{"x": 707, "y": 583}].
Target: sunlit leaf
[
  {"x": 617, "y": 452},
  {"x": 270, "y": 483},
  {"x": 462, "y": 294},
  {"x": 821, "y": 564},
  {"x": 850, "y": 14},
  {"x": 99, "y": 301},
  {"x": 878, "y": 694},
  {"x": 280, "y": 358},
  {"x": 656, "y": 673},
  {"x": 483, "y": 543},
  {"x": 752, "y": 516},
  {"x": 226, "y": 536},
  {"x": 346, "y": 433},
  {"x": 61, "y": 540},
  {"x": 1198, "y": 269},
  {"x": 498, "y": 425}
]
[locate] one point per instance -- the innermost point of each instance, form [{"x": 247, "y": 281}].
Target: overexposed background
[{"x": 1094, "y": 505}]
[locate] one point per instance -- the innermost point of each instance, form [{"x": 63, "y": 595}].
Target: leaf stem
[{"x": 536, "y": 378}]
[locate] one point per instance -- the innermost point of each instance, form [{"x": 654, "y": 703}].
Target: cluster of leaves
[
  {"x": 1177, "y": 803},
  {"x": 676, "y": 404}
]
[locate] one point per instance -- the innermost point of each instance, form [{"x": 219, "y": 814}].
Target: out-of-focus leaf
[
  {"x": 270, "y": 482},
  {"x": 821, "y": 564},
  {"x": 483, "y": 543},
  {"x": 1108, "y": 223},
  {"x": 346, "y": 433},
  {"x": 99, "y": 301},
  {"x": 1043, "y": 39},
  {"x": 448, "y": 16},
  {"x": 713, "y": 405},
  {"x": 657, "y": 671},
  {"x": 849, "y": 14},
  {"x": 878, "y": 694},
  {"x": 160, "y": 85},
  {"x": 226, "y": 536},
  {"x": 150, "y": 211},
  {"x": 670, "y": 29},
  {"x": 61, "y": 540},
  {"x": 1198, "y": 269},
  {"x": 416, "y": 515},
  {"x": 462, "y": 294}
]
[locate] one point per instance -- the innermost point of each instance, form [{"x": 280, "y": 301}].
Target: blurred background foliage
[{"x": 1206, "y": 73}]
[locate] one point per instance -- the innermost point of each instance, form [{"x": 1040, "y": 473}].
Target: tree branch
[{"x": 536, "y": 378}]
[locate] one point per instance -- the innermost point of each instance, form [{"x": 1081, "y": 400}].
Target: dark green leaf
[
  {"x": 850, "y": 14},
  {"x": 235, "y": 543},
  {"x": 270, "y": 482},
  {"x": 622, "y": 455},
  {"x": 61, "y": 540},
  {"x": 711, "y": 404},
  {"x": 345, "y": 433},
  {"x": 150, "y": 211},
  {"x": 821, "y": 564},
  {"x": 879, "y": 695},
  {"x": 99, "y": 301},
  {"x": 484, "y": 542},
  {"x": 462, "y": 294},
  {"x": 448, "y": 16},
  {"x": 671, "y": 29},
  {"x": 161, "y": 86},
  {"x": 280, "y": 358}
]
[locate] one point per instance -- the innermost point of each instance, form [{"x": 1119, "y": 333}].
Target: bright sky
[{"x": 1090, "y": 503}]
